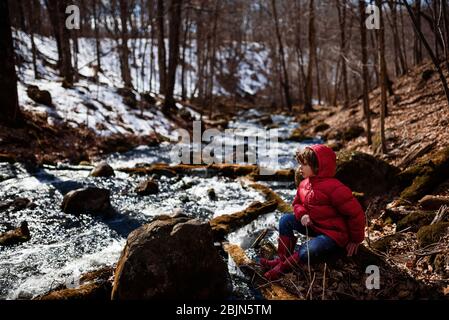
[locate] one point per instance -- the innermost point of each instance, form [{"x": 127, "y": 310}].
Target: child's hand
[
  {"x": 306, "y": 221},
  {"x": 351, "y": 248}
]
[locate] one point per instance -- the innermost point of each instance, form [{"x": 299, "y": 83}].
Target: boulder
[
  {"x": 430, "y": 202},
  {"x": 299, "y": 135},
  {"x": 148, "y": 98},
  {"x": 147, "y": 187},
  {"x": 320, "y": 127},
  {"x": 17, "y": 204},
  {"x": 211, "y": 194},
  {"x": 415, "y": 220},
  {"x": 171, "y": 258},
  {"x": 102, "y": 170},
  {"x": 364, "y": 173},
  {"x": 345, "y": 134},
  {"x": 433, "y": 233},
  {"x": 39, "y": 96},
  {"x": 421, "y": 178},
  {"x": 19, "y": 235},
  {"x": 129, "y": 98},
  {"x": 90, "y": 200}
]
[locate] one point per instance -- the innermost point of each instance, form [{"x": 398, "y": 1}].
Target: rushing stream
[{"x": 64, "y": 246}]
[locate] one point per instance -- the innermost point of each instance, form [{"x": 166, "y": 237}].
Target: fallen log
[
  {"x": 222, "y": 169},
  {"x": 269, "y": 290},
  {"x": 271, "y": 195},
  {"x": 225, "y": 224}
]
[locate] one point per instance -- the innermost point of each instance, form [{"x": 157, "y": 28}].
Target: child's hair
[{"x": 308, "y": 157}]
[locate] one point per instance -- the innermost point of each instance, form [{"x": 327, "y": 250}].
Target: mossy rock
[
  {"x": 385, "y": 243},
  {"x": 364, "y": 173},
  {"x": 335, "y": 145},
  {"x": 425, "y": 175},
  {"x": 432, "y": 233},
  {"x": 346, "y": 134},
  {"x": 299, "y": 135},
  {"x": 321, "y": 127},
  {"x": 352, "y": 132},
  {"x": 303, "y": 119},
  {"x": 415, "y": 220}
]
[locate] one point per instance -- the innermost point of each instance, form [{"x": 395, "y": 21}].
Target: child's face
[{"x": 306, "y": 170}]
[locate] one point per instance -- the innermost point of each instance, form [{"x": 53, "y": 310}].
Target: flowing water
[{"x": 64, "y": 246}]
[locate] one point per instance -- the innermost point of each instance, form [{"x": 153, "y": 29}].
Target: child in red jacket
[{"x": 324, "y": 208}]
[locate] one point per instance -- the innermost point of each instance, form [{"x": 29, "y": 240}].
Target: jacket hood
[{"x": 327, "y": 160}]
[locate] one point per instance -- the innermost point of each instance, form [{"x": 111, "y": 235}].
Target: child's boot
[
  {"x": 282, "y": 268},
  {"x": 286, "y": 246}
]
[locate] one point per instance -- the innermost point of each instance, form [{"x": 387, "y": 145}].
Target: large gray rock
[
  {"x": 147, "y": 187},
  {"x": 39, "y": 96},
  {"x": 171, "y": 258},
  {"x": 18, "y": 235},
  {"x": 102, "y": 170},
  {"x": 87, "y": 200}
]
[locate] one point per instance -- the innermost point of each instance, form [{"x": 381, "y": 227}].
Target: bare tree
[
  {"x": 10, "y": 112},
  {"x": 383, "y": 77},
  {"x": 311, "y": 60},
  {"x": 161, "y": 46},
  {"x": 124, "y": 51},
  {"x": 284, "y": 80},
  {"x": 341, "y": 9},
  {"x": 173, "y": 41},
  {"x": 366, "y": 108},
  {"x": 429, "y": 49}
]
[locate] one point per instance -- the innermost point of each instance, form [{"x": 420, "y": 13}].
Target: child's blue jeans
[{"x": 320, "y": 247}]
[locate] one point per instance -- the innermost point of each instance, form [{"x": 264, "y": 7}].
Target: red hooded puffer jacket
[{"x": 329, "y": 203}]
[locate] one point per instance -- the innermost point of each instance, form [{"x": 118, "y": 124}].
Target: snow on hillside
[{"x": 99, "y": 106}]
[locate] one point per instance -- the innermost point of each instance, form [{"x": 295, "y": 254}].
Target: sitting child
[{"x": 324, "y": 208}]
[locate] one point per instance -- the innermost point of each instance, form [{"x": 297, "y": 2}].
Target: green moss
[
  {"x": 415, "y": 220},
  {"x": 298, "y": 135},
  {"x": 421, "y": 178},
  {"x": 432, "y": 233}
]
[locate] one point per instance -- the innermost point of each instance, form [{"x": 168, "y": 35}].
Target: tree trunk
[
  {"x": 52, "y": 7},
  {"x": 97, "y": 38},
  {"x": 173, "y": 41},
  {"x": 32, "y": 26},
  {"x": 285, "y": 83},
  {"x": 161, "y": 46},
  {"x": 417, "y": 51},
  {"x": 124, "y": 51},
  {"x": 366, "y": 108},
  {"x": 341, "y": 9},
  {"x": 383, "y": 78},
  {"x": 10, "y": 112},
  {"x": 56, "y": 10},
  {"x": 428, "y": 48},
  {"x": 312, "y": 51},
  {"x": 185, "y": 39}
]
